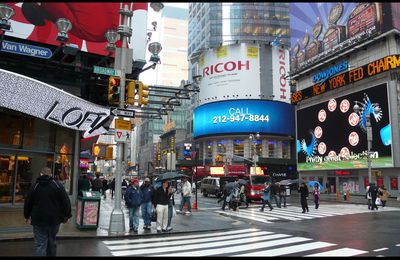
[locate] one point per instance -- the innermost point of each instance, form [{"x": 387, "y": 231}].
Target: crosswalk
[
  {"x": 243, "y": 242},
  {"x": 294, "y": 213}
]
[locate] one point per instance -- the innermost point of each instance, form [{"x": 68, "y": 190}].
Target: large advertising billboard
[
  {"x": 280, "y": 70},
  {"x": 230, "y": 72},
  {"x": 332, "y": 135},
  {"x": 243, "y": 117},
  {"x": 319, "y": 30},
  {"x": 36, "y": 21}
]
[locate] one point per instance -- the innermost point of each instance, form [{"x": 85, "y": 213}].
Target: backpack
[{"x": 127, "y": 197}]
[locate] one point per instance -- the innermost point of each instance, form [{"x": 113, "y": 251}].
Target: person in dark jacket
[
  {"x": 171, "y": 205},
  {"x": 83, "y": 184},
  {"x": 105, "y": 187},
  {"x": 266, "y": 196},
  {"x": 147, "y": 191},
  {"x": 282, "y": 195},
  {"x": 274, "y": 193},
  {"x": 303, "y": 190},
  {"x": 46, "y": 206},
  {"x": 373, "y": 193},
  {"x": 160, "y": 202},
  {"x": 133, "y": 199},
  {"x": 112, "y": 188},
  {"x": 97, "y": 184}
]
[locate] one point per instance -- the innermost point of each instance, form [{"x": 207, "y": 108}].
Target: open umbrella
[
  {"x": 170, "y": 176},
  {"x": 312, "y": 184},
  {"x": 230, "y": 186},
  {"x": 242, "y": 182},
  {"x": 289, "y": 182}
]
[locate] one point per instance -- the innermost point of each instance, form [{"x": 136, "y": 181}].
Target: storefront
[{"x": 26, "y": 145}]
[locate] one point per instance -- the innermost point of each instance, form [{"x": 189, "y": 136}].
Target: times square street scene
[{"x": 199, "y": 129}]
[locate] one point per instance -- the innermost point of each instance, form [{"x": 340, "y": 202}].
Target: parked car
[{"x": 210, "y": 185}]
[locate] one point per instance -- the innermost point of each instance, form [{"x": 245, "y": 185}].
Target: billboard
[
  {"x": 90, "y": 21},
  {"x": 280, "y": 69},
  {"x": 230, "y": 72},
  {"x": 319, "y": 30},
  {"x": 243, "y": 117},
  {"x": 331, "y": 135}
]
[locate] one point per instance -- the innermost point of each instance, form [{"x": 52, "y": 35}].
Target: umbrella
[
  {"x": 170, "y": 176},
  {"x": 242, "y": 182},
  {"x": 312, "y": 184},
  {"x": 289, "y": 182},
  {"x": 230, "y": 186}
]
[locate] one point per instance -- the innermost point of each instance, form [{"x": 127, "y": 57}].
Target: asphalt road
[{"x": 356, "y": 231}]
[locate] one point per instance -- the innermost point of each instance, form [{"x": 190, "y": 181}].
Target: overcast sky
[{"x": 181, "y": 5}]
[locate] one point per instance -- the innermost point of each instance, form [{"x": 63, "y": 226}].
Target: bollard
[
  {"x": 348, "y": 195},
  {"x": 338, "y": 195}
]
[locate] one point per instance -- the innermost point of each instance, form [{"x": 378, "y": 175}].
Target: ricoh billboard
[
  {"x": 36, "y": 21},
  {"x": 332, "y": 136},
  {"x": 319, "y": 30},
  {"x": 280, "y": 70},
  {"x": 228, "y": 72}
]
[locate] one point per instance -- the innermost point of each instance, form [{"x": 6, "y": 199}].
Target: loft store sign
[{"x": 30, "y": 96}]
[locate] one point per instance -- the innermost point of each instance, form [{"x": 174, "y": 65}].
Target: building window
[
  {"x": 272, "y": 149},
  {"x": 238, "y": 147},
  {"x": 285, "y": 149},
  {"x": 221, "y": 150},
  {"x": 209, "y": 149}
]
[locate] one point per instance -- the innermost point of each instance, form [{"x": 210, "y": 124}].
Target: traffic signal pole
[{"x": 117, "y": 219}]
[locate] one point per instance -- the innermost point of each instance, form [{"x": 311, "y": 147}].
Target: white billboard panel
[
  {"x": 280, "y": 69},
  {"x": 230, "y": 72}
]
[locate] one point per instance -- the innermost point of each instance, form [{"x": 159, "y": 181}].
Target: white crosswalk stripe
[
  {"x": 244, "y": 242},
  {"x": 294, "y": 213}
]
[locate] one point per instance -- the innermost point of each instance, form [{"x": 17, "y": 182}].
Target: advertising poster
[
  {"x": 230, "y": 72},
  {"x": 331, "y": 135},
  {"x": 90, "y": 212},
  {"x": 243, "y": 117},
  {"x": 321, "y": 29},
  {"x": 280, "y": 70},
  {"x": 78, "y": 212}
]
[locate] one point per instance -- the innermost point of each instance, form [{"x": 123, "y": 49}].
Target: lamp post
[{"x": 253, "y": 139}]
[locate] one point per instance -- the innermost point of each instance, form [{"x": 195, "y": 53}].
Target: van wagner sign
[{"x": 41, "y": 100}]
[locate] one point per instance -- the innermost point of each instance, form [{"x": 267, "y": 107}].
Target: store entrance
[{"x": 331, "y": 185}]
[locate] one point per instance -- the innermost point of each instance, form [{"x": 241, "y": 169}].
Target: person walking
[
  {"x": 383, "y": 195},
  {"x": 46, "y": 206},
  {"x": 368, "y": 196},
  {"x": 373, "y": 193},
  {"x": 133, "y": 199},
  {"x": 160, "y": 202},
  {"x": 147, "y": 191},
  {"x": 97, "y": 184},
  {"x": 266, "y": 197},
  {"x": 112, "y": 188},
  {"x": 274, "y": 193},
  {"x": 303, "y": 190},
  {"x": 317, "y": 195},
  {"x": 124, "y": 186},
  {"x": 282, "y": 195},
  {"x": 186, "y": 194},
  {"x": 171, "y": 205},
  {"x": 83, "y": 184},
  {"x": 105, "y": 187},
  {"x": 224, "y": 195}
]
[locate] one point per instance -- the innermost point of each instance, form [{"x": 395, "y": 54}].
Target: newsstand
[{"x": 88, "y": 210}]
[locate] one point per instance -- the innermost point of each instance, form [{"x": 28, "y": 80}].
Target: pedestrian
[
  {"x": 274, "y": 193},
  {"x": 327, "y": 187},
  {"x": 186, "y": 194},
  {"x": 97, "y": 184},
  {"x": 133, "y": 199},
  {"x": 317, "y": 195},
  {"x": 83, "y": 184},
  {"x": 147, "y": 191},
  {"x": 303, "y": 190},
  {"x": 105, "y": 187},
  {"x": 160, "y": 202},
  {"x": 112, "y": 188},
  {"x": 46, "y": 206},
  {"x": 243, "y": 195},
  {"x": 282, "y": 195},
  {"x": 124, "y": 186},
  {"x": 171, "y": 205},
  {"x": 368, "y": 196},
  {"x": 373, "y": 193},
  {"x": 224, "y": 195},
  {"x": 383, "y": 195},
  {"x": 266, "y": 196}
]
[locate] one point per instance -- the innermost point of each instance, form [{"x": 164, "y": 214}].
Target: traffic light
[
  {"x": 143, "y": 94},
  {"x": 130, "y": 92},
  {"x": 113, "y": 90}
]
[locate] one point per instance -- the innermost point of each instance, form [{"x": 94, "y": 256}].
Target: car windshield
[{"x": 258, "y": 180}]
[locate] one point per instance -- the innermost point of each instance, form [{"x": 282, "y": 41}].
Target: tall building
[
  {"x": 171, "y": 32},
  {"x": 240, "y": 50}
]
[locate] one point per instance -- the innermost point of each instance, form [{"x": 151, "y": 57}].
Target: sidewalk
[{"x": 13, "y": 225}]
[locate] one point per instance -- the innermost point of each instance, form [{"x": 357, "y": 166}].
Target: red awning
[
  {"x": 237, "y": 169},
  {"x": 202, "y": 172}
]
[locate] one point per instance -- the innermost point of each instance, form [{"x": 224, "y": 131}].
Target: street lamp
[
  {"x": 6, "y": 12},
  {"x": 63, "y": 26},
  {"x": 356, "y": 109},
  {"x": 155, "y": 48},
  {"x": 253, "y": 140},
  {"x": 112, "y": 36}
]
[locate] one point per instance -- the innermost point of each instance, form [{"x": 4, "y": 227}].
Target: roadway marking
[
  {"x": 340, "y": 252},
  {"x": 380, "y": 249},
  {"x": 398, "y": 245}
]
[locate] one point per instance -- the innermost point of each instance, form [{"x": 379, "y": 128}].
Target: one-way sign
[{"x": 123, "y": 112}]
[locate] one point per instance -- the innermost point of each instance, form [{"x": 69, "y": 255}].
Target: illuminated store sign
[
  {"x": 244, "y": 116},
  {"x": 30, "y": 96},
  {"x": 371, "y": 69},
  {"x": 332, "y": 136},
  {"x": 321, "y": 77}
]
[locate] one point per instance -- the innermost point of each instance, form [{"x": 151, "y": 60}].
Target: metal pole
[
  {"x": 369, "y": 139},
  {"x": 117, "y": 219}
]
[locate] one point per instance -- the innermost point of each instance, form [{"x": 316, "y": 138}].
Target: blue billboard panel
[{"x": 243, "y": 117}]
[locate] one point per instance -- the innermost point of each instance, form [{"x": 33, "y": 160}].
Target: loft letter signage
[
  {"x": 26, "y": 49},
  {"x": 41, "y": 100}
]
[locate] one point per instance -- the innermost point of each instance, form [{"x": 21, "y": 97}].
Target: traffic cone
[{"x": 195, "y": 205}]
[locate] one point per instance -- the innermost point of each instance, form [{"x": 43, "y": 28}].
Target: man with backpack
[{"x": 133, "y": 199}]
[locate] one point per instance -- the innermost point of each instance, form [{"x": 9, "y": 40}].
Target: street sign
[
  {"x": 123, "y": 125},
  {"x": 122, "y": 136},
  {"x": 123, "y": 112},
  {"x": 106, "y": 71},
  {"x": 26, "y": 49}
]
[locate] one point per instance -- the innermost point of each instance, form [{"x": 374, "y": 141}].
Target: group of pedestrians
[{"x": 376, "y": 196}]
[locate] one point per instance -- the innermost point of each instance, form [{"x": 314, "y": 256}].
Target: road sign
[
  {"x": 26, "y": 49},
  {"x": 122, "y": 136},
  {"x": 123, "y": 112},
  {"x": 106, "y": 71},
  {"x": 123, "y": 125}
]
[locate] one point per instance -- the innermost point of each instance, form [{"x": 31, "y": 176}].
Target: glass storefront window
[
  {"x": 7, "y": 178},
  {"x": 39, "y": 134},
  {"x": 63, "y": 170},
  {"x": 349, "y": 184},
  {"x": 238, "y": 147},
  {"x": 11, "y": 129}
]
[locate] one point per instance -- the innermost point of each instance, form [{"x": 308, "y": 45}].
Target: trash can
[
  {"x": 287, "y": 190},
  {"x": 88, "y": 210}
]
